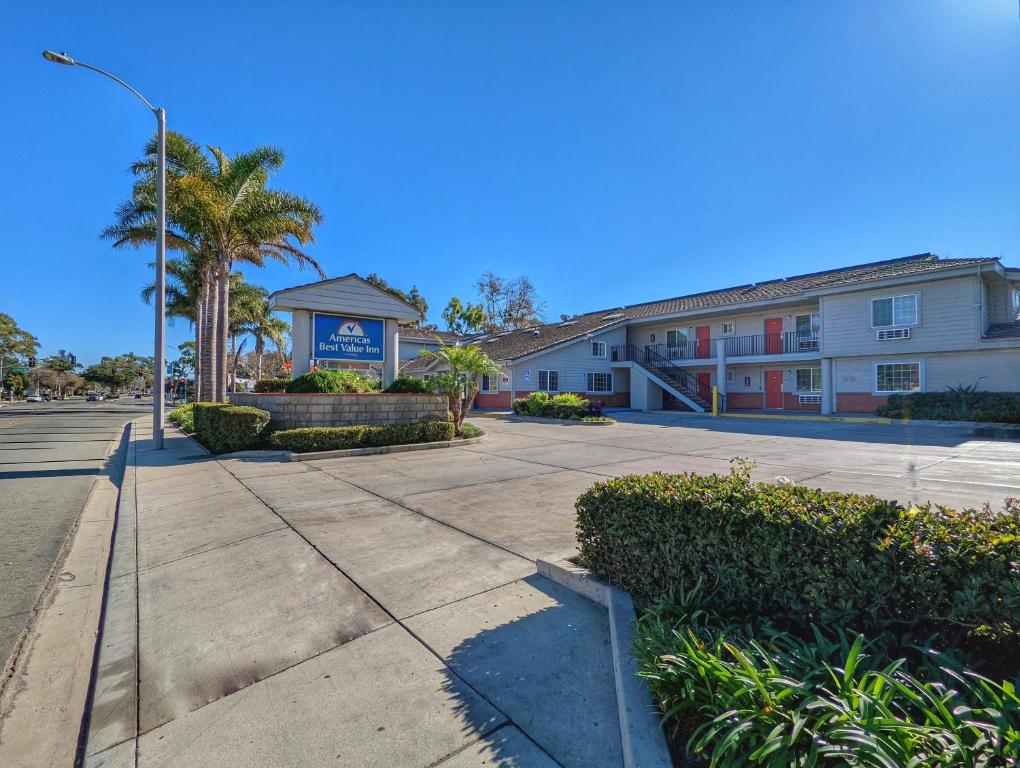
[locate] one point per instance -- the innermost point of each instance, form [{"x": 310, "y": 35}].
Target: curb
[
  {"x": 563, "y": 422},
  {"x": 644, "y": 743},
  {"x": 44, "y": 703}
]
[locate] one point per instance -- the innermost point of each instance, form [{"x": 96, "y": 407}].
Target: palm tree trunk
[
  {"x": 223, "y": 317},
  {"x": 209, "y": 321},
  {"x": 259, "y": 349}
]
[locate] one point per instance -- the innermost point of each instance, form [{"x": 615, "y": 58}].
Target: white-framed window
[
  {"x": 809, "y": 379},
  {"x": 807, "y": 325},
  {"x": 598, "y": 349},
  {"x": 897, "y": 377},
  {"x": 1016, "y": 299},
  {"x": 426, "y": 377},
  {"x": 490, "y": 383},
  {"x": 894, "y": 310},
  {"x": 600, "y": 382},
  {"x": 549, "y": 381},
  {"x": 728, "y": 328},
  {"x": 676, "y": 341},
  {"x": 730, "y": 377}
]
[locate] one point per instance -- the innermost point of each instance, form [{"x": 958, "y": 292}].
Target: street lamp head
[{"x": 58, "y": 58}]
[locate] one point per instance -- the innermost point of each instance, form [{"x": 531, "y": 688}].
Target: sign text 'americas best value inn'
[{"x": 342, "y": 337}]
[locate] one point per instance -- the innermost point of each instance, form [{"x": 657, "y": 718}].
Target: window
[
  {"x": 598, "y": 349},
  {"x": 809, "y": 379},
  {"x": 729, "y": 376},
  {"x": 1016, "y": 301},
  {"x": 676, "y": 342},
  {"x": 600, "y": 382},
  {"x": 549, "y": 381},
  {"x": 729, "y": 328},
  {"x": 807, "y": 325},
  {"x": 490, "y": 383},
  {"x": 894, "y": 310},
  {"x": 426, "y": 377},
  {"x": 897, "y": 377}
]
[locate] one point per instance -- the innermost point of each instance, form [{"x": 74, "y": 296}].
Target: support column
[
  {"x": 300, "y": 342},
  {"x": 720, "y": 365},
  {"x": 391, "y": 363},
  {"x": 828, "y": 396}
]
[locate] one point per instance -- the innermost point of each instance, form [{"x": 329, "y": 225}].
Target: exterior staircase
[
  {"x": 1003, "y": 331},
  {"x": 671, "y": 377}
]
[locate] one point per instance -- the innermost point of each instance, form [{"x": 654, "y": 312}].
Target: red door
[
  {"x": 705, "y": 386},
  {"x": 703, "y": 334},
  {"x": 773, "y": 389},
  {"x": 773, "y": 335}
]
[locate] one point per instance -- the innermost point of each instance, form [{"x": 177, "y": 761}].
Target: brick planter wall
[{"x": 320, "y": 410}]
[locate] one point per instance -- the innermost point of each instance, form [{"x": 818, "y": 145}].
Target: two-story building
[{"x": 841, "y": 340}]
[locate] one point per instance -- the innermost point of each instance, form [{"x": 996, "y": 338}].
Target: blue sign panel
[{"x": 343, "y": 337}]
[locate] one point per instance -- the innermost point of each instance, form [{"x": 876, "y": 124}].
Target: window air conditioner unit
[
  {"x": 893, "y": 333},
  {"x": 805, "y": 399}
]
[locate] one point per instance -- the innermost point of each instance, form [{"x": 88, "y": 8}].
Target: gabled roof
[
  {"x": 517, "y": 344},
  {"x": 429, "y": 334},
  {"x": 364, "y": 298}
]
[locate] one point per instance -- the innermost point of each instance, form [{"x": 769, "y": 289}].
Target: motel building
[{"x": 841, "y": 340}]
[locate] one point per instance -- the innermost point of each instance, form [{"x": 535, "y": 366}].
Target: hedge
[
  {"x": 962, "y": 404},
  {"x": 222, "y": 427},
  {"x": 271, "y": 385},
  {"x": 565, "y": 406},
  {"x": 409, "y": 384},
  {"x": 184, "y": 417},
  {"x": 333, "y": 382},
  {"x": 807, "y": 556},
  {"x": 309, "y": 439}
]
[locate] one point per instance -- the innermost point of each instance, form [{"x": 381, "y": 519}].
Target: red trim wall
[
  {"x": 791, "y": 402},
  {"x": 858, "y": 402},
  {"x": 492, "y": 400},
  {"x": 751, "y": 400}
]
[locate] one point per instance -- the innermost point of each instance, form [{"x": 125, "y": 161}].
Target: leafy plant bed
[
  {"x": 593, "y": 420},
  {"x": 317, "y": 439},
  {"x": 955, "y": 404}
]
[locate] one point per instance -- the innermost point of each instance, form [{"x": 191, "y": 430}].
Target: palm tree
[
  {"x": 459, "y": 381},
  {"x": 264, "y": 326},
  {"x": 222, "y": 212}
]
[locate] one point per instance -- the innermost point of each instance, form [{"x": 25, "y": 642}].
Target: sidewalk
[{"x": 271, "y": 613}]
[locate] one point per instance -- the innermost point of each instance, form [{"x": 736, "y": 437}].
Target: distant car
[
  {"x": 34, "y": 398},
  {"x": 91, "y": 397},
  {"x": 47, "y": 398},
  {"x": 138, "y": 395}
]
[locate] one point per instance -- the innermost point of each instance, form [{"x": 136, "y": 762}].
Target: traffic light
[{"x": 31, "y": 362}]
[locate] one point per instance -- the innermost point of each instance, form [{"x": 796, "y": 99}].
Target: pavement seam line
[
  {"x": 211, "y": 549},
  {"x": 420, "y": 640}
]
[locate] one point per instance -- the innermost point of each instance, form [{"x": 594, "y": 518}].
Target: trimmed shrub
[
  {"x": 271, "y": 385},
  {"x": 470, "y": 430},
  {"x": 222, "y": 427},
  {"x": 310, "y": 439},
  {"x": 956, "y": 404},
  {"x": 806, "y": 556},
  {"x": 333, "y": 382},
  {"x": 408, "y": 384},
  {"x": 184, "y": 417},
  {"x": 565, "y": 406}
]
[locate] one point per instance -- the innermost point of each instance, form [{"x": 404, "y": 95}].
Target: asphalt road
[{"x": 49, "y": 455}]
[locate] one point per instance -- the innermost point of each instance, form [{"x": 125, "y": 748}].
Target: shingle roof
[
  {"x": 515, "y": 344},
  {"x": 428, "y": 334},
  {"x": 415, "y": 364}
]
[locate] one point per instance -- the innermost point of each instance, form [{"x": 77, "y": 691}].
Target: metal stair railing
[{"x": 665, "y": 369}]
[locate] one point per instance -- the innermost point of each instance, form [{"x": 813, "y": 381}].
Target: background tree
[
  {"x": 119, "y": 373},
  {"x": 509, "y": 304},
  {"x": 463, "y": 319},
  {"x": 60, "y": 365},
  {"x": 16, "y": 344},
  {"x": 16, "y": 383},
  {"x": 461, "y": 366},
  {"x": 414, "y": 297}
]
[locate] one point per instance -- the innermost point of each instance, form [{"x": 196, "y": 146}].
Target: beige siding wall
[
  {"x": 992, "y": 370},
  {"x": 573, "y": 363},
  {"x": 746, "y": 324},
  {"x": 949, "y": 319}
]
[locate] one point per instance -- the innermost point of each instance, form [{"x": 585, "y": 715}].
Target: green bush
[
  {"x": 310, "y": 439},
  {"x": 271, "y": 385},
  {"x": 806, "y": 556},
  {"x": 470, "y": 430},
  {"x": 409, "y": 384},
  {"x": 956, "y": 404},
  {"x": 184, "y": 417},
  {"x": 565, "y": 406},
  {"x": 222, "y": 427},
  {"x": 750, "y": 694},
  {"x": 333, "y": 382}
]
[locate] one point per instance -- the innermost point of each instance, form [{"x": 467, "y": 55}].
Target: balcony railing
[{"x": 739, "y": 346}]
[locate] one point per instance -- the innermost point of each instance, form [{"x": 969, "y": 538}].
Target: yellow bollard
[{"x": 715, "y": 399}]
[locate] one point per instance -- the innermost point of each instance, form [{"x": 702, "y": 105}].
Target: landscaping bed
[
  {"x": 955, "y": 404},
  {"x": 564, "y": 407},
  {"x": 787, "y": 626}
]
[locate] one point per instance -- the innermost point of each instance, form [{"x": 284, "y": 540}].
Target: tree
[
  {"x": 463, "y": 319},
  {"x": 16, "y": 344},
  {"x": 117, "y": 373},
  {"x": 414, "y": 298},
  {"x": 60, "y": 365},
  {"x": 461, "y": 368},
  {"x": 222, "y": 212},
  {"x": 264, "y": 326},
  {"x": 16, "y": 382},
  {"x": 509, "y": 304}
]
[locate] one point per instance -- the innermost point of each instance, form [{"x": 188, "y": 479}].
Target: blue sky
[{"x": 614, "y": 152}]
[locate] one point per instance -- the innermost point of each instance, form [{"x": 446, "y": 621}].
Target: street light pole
[{"x": 159, "y": 365}]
